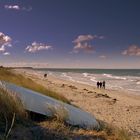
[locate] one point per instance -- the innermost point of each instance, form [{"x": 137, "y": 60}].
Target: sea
[{"x": 116, "y": 79}]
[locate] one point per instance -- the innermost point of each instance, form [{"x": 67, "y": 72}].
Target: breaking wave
[
  {"x": 115, "y": 77},
  {"x": 66, "y": 76}
]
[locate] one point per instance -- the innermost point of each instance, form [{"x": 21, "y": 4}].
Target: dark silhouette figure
[
  {"x": 45, "y": 75},
  {"x": 104, "y": 84},
  {"x": 98, "y": 84}
]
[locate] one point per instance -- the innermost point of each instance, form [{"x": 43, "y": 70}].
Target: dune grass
[
  {"x": 111, "y": 132},
  {"x": 18, "y": 79},
  {"x": 63, "y": 131},
  {"x": 11, "y": 111}
]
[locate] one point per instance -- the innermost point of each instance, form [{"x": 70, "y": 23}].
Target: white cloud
[
  {"x": 2, "y": 48},
  {"x": 82, "y": 38},
  {"x": 5, "y": 41},
  {"x": 103, "y": 56},
  {"x": 100, "y": 37},
  {"x": 17, "y": 7},
  {"x": 28, "y": 9},
  {"x": 132, "y": 50},
  {"x": 83, "y": 46},
  {"x": 35, "y": 47},
  {"x": 12, "y": 7},
  {"x": 6, "y": 53},
  {"x": 82, "y": 43}
]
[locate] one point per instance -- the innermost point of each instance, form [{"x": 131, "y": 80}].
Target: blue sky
[{"x": 70, "y": 33}]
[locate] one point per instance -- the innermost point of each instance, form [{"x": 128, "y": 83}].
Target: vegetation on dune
[
  {"x": 18, "y": 79},
  {"x": 11, "y": 111},
  {"x": 113, "y": 133}
]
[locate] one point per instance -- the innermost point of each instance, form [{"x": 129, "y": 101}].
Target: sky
[{"x": 70, "y": 33}]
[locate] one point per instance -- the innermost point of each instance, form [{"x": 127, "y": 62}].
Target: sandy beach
[{"x": 115, "y": 107}]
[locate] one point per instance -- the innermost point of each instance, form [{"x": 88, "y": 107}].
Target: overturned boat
[{"x": 44, "y": 105}]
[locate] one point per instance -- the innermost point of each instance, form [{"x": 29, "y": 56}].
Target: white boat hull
[{"x": 38, "y": 103}]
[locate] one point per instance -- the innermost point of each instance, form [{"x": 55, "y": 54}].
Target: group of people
[{"x": 101, "y": 84}]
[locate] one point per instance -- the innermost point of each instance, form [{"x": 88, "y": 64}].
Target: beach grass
[
  {"x": 57, "y": 127},
  {"x": 6, "y": 74},
  {"x": 11, "y": 112},
  {"x": 112, "y": 132}
]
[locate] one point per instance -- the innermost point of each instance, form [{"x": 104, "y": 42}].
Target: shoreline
[
  {"x": 88, "y": 78},
  {"x": 117, "y": 108}
]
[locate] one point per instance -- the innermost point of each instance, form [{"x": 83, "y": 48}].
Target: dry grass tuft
[
  {"x": 9, "y": 104},
  {"x": 60, "y": 113},
  {"x": 11, "y": 111},
  {"x": 113, "y": 133},
  {"x": 18, "y": 79}
]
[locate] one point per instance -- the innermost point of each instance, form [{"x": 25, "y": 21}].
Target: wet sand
[{"x": 115, "y": 107}]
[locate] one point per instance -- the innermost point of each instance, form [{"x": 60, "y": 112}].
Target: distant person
[
  {"x": 45, "y": 75},
  {"x": 98, "y": 84},
  {"x": 104, "y": 84}
]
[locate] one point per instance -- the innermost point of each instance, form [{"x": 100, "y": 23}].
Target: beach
[{"x": 115, "y": 107}]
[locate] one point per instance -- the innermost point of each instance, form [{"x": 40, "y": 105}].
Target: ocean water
[{"x": 117, "y": 79}]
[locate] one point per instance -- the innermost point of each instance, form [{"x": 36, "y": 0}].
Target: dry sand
[{"x": 114, "y": 107}]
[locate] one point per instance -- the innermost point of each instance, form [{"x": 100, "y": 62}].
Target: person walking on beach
[
  {"x": 45, "y": 75},
  {"x": 104, "y": 84},
  {"x": 98, "y": 84}
]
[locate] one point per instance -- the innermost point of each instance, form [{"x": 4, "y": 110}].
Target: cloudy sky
[{"x": 70, "y": 33}]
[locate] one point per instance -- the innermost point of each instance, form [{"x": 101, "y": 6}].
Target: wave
[
  {"x": 92, "y": 78},
  {"x": 115, "y": 87},
  {"x": 83, "y": 82},
  {"x": 85, "y": 74},
  {"x": 50, "y": 73},
  {"x": 69, "y": 77},
  {"x": 108, "y": 75},
  {"x": 114, "y": 77},
  {"x": 138, "y": 83},
  {"x": 136, "y": 90}
]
